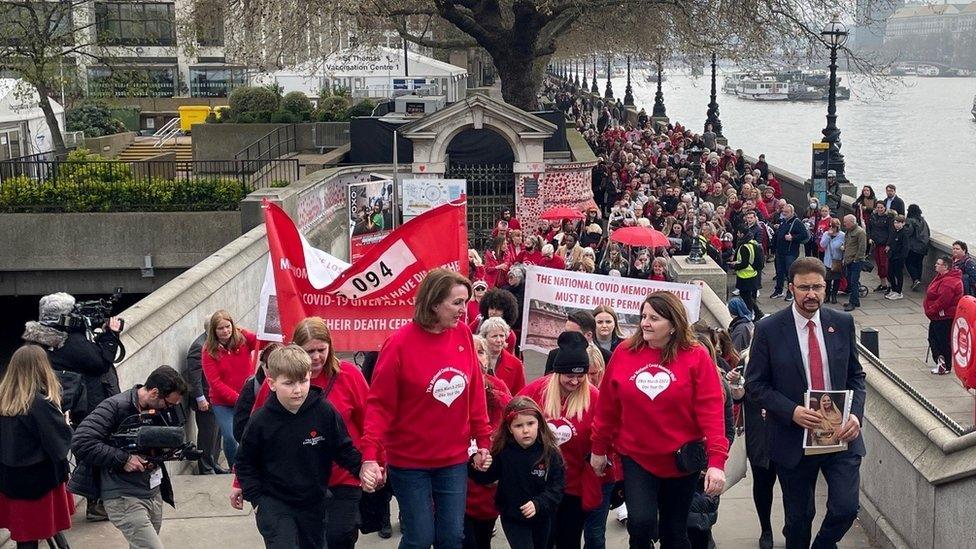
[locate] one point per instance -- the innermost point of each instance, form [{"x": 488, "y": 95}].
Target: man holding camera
[
  {"x": 83, "y": 361},
  {"x": 132, "y": 487}
]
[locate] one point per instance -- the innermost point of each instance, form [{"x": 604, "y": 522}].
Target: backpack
[
  {"x": 758, "y": 259},
  {"x": 805, "y": 237}
]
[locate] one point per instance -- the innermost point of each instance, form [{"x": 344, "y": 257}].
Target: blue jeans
[
  {"x": 431, "y": 505},
  {"x": 783, "y": 263},
  {"x": 225, "y": 421},
  {"x": 595, "y": 523},
  {"x": 854, "y": 283}
]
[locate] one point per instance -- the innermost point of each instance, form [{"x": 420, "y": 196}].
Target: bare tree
[{"x": 523, "y": 36}]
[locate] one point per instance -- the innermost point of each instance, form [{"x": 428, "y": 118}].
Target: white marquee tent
[
  {"x": 23, "y": 130},
  {"x": 375, "y": 72}
]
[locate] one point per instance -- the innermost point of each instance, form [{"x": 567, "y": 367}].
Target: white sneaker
[
  {"x": 894, "y": 296},
  {"x": 622, "y": 512},
  {"x": 735, "y": 291}
]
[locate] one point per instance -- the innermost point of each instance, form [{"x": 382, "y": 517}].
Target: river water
[{"x": 918, "y": 134}]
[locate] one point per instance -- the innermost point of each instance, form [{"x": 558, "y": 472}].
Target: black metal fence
[
  {"x": 490, "y": 189},
  {"x": 269, "y": 147},
  {"x": 150, "y": 185}
]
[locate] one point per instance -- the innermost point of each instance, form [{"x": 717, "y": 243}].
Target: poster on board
[
  {"x": 422, "y": 194},
  {"x": 551, "y": 294},
  {"x": 370, "y": 215}
]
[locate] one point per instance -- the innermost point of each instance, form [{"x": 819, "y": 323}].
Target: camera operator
[
  {"x": 83, "y": 361},
  {"x": 132, "y": 487}
]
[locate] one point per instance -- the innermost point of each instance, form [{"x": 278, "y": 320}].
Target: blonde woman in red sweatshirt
[
  {"x": 661, "y": 394},
  {"x": 226, "y": 361},
  {"x": 568, "y": 401},
  {"x": 425, "y": 405}
]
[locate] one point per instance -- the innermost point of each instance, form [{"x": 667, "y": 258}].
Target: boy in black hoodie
[{"x": 286, "y": 455}]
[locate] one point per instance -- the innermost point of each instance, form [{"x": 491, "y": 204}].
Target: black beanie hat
[{"x": 571, "y": 357}]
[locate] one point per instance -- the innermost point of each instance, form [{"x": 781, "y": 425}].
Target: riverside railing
[{"x": 148, "y": 185}]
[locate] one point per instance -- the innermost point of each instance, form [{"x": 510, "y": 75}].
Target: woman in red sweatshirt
[
  {"x": 661, "y": 393},
  {"x": 425, "y": 405},
  {"x": 480, "y": 513},
  {"x": 941, "y": 298},
  {"x": 502, "y": 363},
  {"x": 568, "y": 402},
  {"x": 227, "y": 364}
]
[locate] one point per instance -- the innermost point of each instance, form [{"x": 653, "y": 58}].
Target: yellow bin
[{"x": 192, "y": 114}]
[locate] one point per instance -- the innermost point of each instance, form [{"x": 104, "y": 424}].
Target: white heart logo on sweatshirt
[
  {"x": 447, "y": 390},
  {"x": 653, "y": 385},
  {"x": 562, "y": 433}
]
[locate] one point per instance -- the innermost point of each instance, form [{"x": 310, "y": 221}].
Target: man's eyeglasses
[{"x": 807, "y": 288}]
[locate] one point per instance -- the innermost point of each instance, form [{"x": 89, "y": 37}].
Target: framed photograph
[{"x": 833, "y": 407}]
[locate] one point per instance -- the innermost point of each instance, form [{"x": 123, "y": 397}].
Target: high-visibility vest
[{"x": 748, "y": 271}]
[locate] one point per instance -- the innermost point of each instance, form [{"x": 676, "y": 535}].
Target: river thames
[{"x": 919, "y": 135}]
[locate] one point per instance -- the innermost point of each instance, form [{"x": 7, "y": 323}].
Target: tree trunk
[
  {"x": 521, "y": 76},
  {"x": 60, "y": 149}
]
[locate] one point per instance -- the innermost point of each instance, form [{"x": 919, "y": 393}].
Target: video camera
[
  {"x": 89, "y": 315},
  {"x": 156, "y": 435}
]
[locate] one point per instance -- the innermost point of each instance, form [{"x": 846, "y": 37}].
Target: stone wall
[
  {"x": 110, "y": 146},
  {"x": 223, "y": 141}
]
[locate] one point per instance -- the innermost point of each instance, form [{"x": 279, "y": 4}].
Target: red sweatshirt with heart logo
[
  {"x": 572, "y": 433},
  {"x": 648, "y": 410},
  {"x": 427, "y": 399}
]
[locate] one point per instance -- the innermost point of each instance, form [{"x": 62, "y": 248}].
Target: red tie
[{"x": 816, "y": 361}]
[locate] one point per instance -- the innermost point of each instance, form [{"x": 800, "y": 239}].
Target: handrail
[
  {"x": 169, "y": 131},
  {"x": 277, "y": 140}
]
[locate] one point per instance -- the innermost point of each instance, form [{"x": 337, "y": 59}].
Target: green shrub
[
  {"x": 296, "y": 103},
  {"x": 250, "y": 100},
  {"x": 94, "y": 118},
  {"x": 246, "y": 118},
  {"x": 285, "y": 117},
  {"x": 332, "y": 109},
  {"x": 212, "y": 118},
  {"x": 279, "y": 183},
  {"x": 363, "y": 108}
]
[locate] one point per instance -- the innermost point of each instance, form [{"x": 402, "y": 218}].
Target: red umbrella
[
  {"x": 640, "y": 236},
  {"x": 561, "y": 212}
]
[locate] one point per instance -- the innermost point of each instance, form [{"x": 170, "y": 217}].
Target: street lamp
[
  {"x": 628, "y": 92},
  {"x": 596, "y": 87},
  {"x": 659, "y": 110},
  {"x": 584, "y": 86},
  {"x": 697, "y": 254},
  {"x": 834, "y": 35},
  {"x": 609, "y": 93},
  {"x": 713, "y": 106},
  {"x": 576, "y": 72}
]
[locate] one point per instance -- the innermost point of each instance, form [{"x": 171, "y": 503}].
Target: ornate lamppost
[
  {"x": 609, "y": 93},
  {"x": 628, "y": 91},
  {"x": 596, "y": 87},
  {"x": 697, "y": 254},
  {"x": 584, "y": 86},
  {"x": 834, "y": 35},
  {"x": 659, "y": 110},
  {"x": 713, "y": 106}
]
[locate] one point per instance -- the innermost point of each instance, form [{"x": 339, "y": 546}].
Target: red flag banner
[{"x": 375, "y": 295}]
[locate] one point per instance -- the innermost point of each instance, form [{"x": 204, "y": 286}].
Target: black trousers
[
  {"x": 657, "y": 508},
  {"x": 940, "y": 334},
  {"x": 477, "y": 533},
  {"x": 748, "y": 293},
  {"x": 914, "y": 265},
  {"x": 527, "y": 534},
  {"x": 283, "y": 526},
  {"x": 568, "y": 526},
  {"x": 763, "y": 481},
  {"x": 342, "y": 512},
  {"x": 842, "y": 472},
  {"x": 896, "y": 273},
  {"x": 208, "y": 440}
]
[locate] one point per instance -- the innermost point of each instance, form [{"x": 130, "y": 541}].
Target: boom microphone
[{"x": 151, "y": 436}]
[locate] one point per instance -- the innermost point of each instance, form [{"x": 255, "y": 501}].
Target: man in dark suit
[
  {"x": 892, "y": 201},
  {"x": 799, "y": 348},
  {"x": 208, "y": 435},
  {"x": 584, "y": 323}
]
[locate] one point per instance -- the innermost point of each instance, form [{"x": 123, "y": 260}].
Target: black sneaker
[
  {"x": 848, "y": 307},
  {"x": 882, "y": 288},
  {"x": 915, "y": 285},
  {"x": 789, "y": 297},
  {"x": 776, "y": 295}
]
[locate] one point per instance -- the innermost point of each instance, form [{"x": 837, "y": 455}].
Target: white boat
[
  {"x": 731, "y": 83},
  {"x": 927, "y": 70},
  {"x": 766, "y": 88}
]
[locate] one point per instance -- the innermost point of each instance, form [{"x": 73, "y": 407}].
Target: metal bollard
[{"x": 869, "y": 338}]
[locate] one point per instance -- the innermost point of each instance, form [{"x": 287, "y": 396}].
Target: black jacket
[
  {"x": 289, "y": 456},
  {"x": 793, "y": 226},
  {"x": 34, "y": 451},
  {"x": 100, "y": 465},
  {"x": 898, "y": 244},
  {"x": 196, "y": 381},
  {"x": 522, "y": 477},
  {"x": 245, "y": 401},
  {"x": 72, "y": 351},
  {"x": 879, "y": 228}
]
